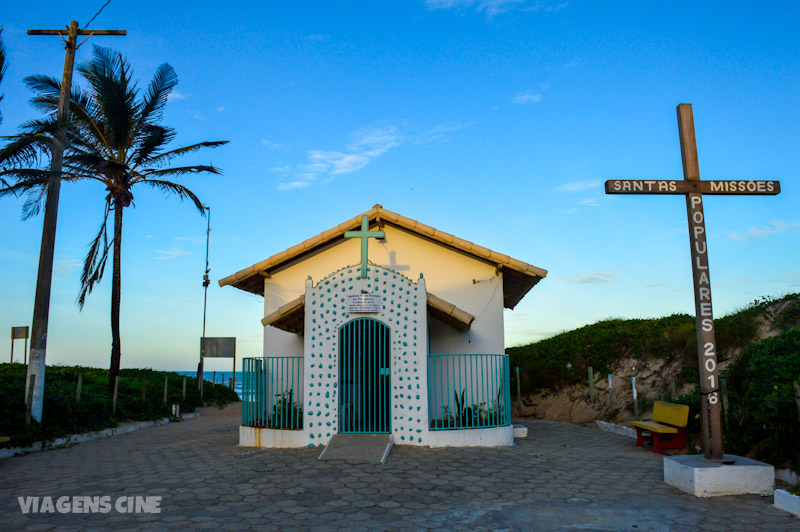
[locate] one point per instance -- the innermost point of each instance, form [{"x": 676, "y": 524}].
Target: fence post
[
  {"x": 166, "y": 379},
  {"x": 673, "y": 388},
  {"x": 114, "y": 399},
  {"x": 797, "y": 396},
  {"x": 723, "y": 385},
  {"x": 29, "y": 402},
  {"x": 144, "y": 384},
  {"x": 635, "y": 399},
  {"x": 610, "y": 394},
  {"x": 230, "y": 383},
  {"x": 214, "y": 377},
  {"x": 183, "y": 393},
  {"x": 591, "y": 384},
  {"x": 78, "y": 389}
]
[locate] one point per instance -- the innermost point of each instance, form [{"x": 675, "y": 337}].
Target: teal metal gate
[{"x": 364, "y": 376}]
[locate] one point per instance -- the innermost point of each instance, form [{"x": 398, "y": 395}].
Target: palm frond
[
  {"x": 3, "y": 66},
  {"x": 174, "y": 188},
  {"x": 164, "y": 80},
  {"x": 162, "y": 158},
  {"x": 183, "y": 170},
  {"x": 25, "y": 149},
  {"x": 94, "y": 264},
  {"x": 36, "y": 196},
  {"x": 115, "y": 96},
  {"x": 26, "y": 179},
  {"x": 154, "y": 139}
]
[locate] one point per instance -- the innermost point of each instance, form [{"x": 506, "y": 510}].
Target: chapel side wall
[{"x": 276, "y": 341}]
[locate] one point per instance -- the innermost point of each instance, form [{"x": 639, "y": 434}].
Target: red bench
[{"x": 666, "y": 429}]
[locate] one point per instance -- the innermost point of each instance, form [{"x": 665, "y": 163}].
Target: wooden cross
[
  {"x": 693, "y": 189},
  {"x": 364, "y": 234}
]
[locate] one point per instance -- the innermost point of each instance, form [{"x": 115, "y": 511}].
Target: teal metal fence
[
  {"x": 272, "y": 392},
  {"x": 468, "y": 391}
]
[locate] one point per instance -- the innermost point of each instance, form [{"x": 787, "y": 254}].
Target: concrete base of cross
[{"x": 733, "y": 475}]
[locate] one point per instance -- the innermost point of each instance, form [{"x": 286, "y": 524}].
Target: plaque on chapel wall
[{"x": 365, "y": 303}]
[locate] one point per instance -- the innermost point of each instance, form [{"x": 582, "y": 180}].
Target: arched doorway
[{"x": 364, "y": 376}]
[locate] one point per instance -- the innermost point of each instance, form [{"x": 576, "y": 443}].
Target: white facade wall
[{"x": 404, "y": 312}]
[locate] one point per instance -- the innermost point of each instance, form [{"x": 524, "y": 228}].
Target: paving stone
[{"x": 560, "y": 477}]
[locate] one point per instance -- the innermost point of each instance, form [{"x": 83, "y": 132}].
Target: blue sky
[{"x": 495, "y": 120}]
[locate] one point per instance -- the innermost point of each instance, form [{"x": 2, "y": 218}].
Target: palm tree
[
  {"x": 113, "y": 138},
  {"x": 3, "y": 66}
]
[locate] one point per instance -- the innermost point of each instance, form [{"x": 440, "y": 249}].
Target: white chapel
[{"x": 382, "y": 325}]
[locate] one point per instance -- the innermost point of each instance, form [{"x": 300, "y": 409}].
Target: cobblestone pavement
[{"x": 562, "y": 477}]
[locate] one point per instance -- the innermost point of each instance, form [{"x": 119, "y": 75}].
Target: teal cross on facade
[{"x": 364, "y": 234}]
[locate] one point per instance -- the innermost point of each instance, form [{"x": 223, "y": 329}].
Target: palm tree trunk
[{"x": 116, "y": 290}]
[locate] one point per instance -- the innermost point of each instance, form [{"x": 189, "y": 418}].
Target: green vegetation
[
  {"x": 763, "y": 413},
  {"x": 563, "y": 359},
  {"x": 761, "y": 377},
  {"x": 63, "y": 415}
]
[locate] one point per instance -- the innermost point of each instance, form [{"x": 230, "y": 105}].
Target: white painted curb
[
  {"x": 787, "y": 502},
  {"x": 616, "y": 429},
  {"x": 86, "y": 436}
]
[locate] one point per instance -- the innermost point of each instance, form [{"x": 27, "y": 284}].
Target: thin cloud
[
  {"x": 578, "y": 186},
  {"x": 335, "y": 162},
  {"x": 492, "y": 8},
  {"x": 775, "y": 227},
  {"x": 64, "y": 267},
  {"x": 293, "y": 185},
  {"x": 189, "y": 239},
  {"x": 363, "y": 147},
  {"x": 593, "y": 278},
  {"x": 319, "y": 37},
  {"x": 175, "y": 95},
  {"x": 221, "y": 108},
  {"x": 527, "y": 97},
  {"x": 172, "y": 254},
  {"x": 439, "y": 133},
  {"x": 270, "y": 145},
  {"x": 590, "y": 202}
]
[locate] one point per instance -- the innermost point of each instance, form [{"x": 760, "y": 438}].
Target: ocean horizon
[{"x": 217, "y": 377}]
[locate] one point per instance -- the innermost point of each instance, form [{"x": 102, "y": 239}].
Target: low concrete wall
[
  {"x": 787, "y": 502},
  {"x": 733, "y": 475},
  {"x": 616, "y": 429},
  {"x": 493, "y": 437},
  {"x": 275, "y": 438},
  {"x": 87, "y": 436}
]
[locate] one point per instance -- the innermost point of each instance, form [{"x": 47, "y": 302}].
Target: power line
[{"x": 95, "y": 15}]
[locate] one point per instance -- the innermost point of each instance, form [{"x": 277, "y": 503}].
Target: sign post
[
  {"x": 693, "y": 189},
  {"x": 16, "y": 334},
  {"x": 222, "y": 347}
]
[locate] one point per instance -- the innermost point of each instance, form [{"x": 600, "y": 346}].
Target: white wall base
[
  {"x": 520, "y": 431},
  {"x": 787, "y": 502},
  {"x": 493, "y": 437},
  {"x": 712, "y": 478},
  {"x": 616, "y": 429},
  {"x": 277, "y": 438}
]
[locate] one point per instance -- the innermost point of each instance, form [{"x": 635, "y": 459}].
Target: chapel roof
[{"x": 518, "y": 277}]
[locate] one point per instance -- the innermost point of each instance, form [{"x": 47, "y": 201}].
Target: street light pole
[{"x": 206, "y": 282}]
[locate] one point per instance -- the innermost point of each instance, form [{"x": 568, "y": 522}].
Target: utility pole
[
  {"x": 41, "y": 305},
  {"x": 206, "y": 282}
]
